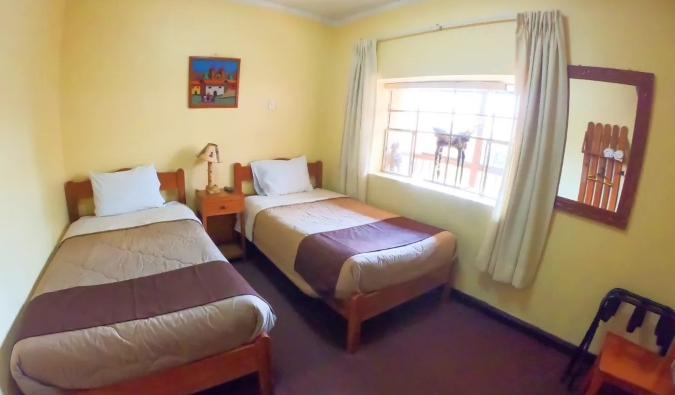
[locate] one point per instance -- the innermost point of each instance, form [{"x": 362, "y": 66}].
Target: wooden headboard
[
  {"x": 244, "y": 174},
  {"x": 79, "y": 190}
]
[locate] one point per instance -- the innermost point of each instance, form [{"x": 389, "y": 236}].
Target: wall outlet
[{"x": 271, "y": 105}]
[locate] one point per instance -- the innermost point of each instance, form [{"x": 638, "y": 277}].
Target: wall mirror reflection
[
  {"x": 608, "y": 123},
  {"x": 599, "y": 135}
]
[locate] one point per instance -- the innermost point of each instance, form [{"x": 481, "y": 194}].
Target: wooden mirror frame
[{"x": 644, "y": 84}]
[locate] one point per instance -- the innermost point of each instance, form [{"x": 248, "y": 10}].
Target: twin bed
[
  {"x": 368, "y": 276},
  {"x": 172, "y": 338},
  {"x": 144, "y": 302}
]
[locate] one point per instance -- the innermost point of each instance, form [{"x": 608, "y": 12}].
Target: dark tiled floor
[{"x": 418, "y": 348}]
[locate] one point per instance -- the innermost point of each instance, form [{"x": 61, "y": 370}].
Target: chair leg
[
  {"x": 353, "y": 326},
  {"x": 264, "y": 364},
  {"x": 595, "y": 383}
]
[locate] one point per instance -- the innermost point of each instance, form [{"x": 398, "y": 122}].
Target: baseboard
[{"x": 538, "y": 334}]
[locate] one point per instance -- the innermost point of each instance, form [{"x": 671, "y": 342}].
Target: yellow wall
[
  {"x": 450, "y": 52},
  {"x": 125, "y": 79},
  {"x": 32, "y": 207},
  {"x": 583, "y": 259},
  {"x": 597, "y": 102},
  {"x": 123, "y": 102}
]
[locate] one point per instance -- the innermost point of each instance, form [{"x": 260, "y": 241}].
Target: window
[{"x": 452, "y": 134}]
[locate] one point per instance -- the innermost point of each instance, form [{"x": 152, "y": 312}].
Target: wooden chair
[
  {"x": 601, "y": 176},
  {"x": 630, "y": 367}
]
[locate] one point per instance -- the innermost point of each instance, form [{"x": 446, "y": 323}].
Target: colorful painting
[{"x": 214, "y": 82}]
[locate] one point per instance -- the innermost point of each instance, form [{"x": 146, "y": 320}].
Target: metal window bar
[
  {"x": 393, "y": 129},
  {"x": 483, "y": 167},
  {"x": 486, "y": 171},
  {"x": 447, "y": 157},
  {"x": 386, "y": 132},
  {"x": 413, "y": 148},
  {"x": 483, "y": 178},
  {"x": 488, "y": 151},
  {"x": 485, "y": 139},
  {"x": 456, "y": 113},
  {"x": 477, "y": 166},
  {"x": 502, "y": 142}
]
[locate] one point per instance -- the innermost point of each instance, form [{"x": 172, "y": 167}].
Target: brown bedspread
[
  {"x": 99, "y": 356},
  {"x": 320, "y": 256},
  {"x": 138, "y": 298}
]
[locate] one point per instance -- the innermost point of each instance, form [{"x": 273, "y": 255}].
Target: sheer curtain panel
[
  {"x": 359, "y": 121},
  {"x": 516, "y": 236}
]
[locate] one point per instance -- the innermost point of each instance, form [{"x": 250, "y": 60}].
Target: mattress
[
  {"x": 106, "y": 250},
  {"x": 277, "y": 225}
]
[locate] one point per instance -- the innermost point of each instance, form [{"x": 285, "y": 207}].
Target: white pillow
[
  {"x": 281, "y": 177},
  {"x": 126, "y": 191}
]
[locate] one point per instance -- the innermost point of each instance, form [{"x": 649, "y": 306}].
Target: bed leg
[
  {"x": 264, "y": 364},
  {"x": 353, "y": 325}
]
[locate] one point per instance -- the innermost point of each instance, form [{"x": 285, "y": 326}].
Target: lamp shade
[{"x": 210, "y": 153}]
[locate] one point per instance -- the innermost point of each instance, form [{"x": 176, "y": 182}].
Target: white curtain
[
  {"x": 517, "y": 233},
  {"x": 359, "y": 121}
]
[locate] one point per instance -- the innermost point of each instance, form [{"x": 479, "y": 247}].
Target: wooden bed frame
[
  {"x": 199, "y": 375},
  {"x": 81, "y": 190},
  {"x": 361, "y": 307}
]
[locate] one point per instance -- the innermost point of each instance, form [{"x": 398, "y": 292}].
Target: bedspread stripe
[
  {"x": 320, "y": 256},
  {"x": 86, "y": 307}
]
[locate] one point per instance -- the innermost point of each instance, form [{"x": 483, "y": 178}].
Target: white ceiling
[{"x": 332, "y": 12}]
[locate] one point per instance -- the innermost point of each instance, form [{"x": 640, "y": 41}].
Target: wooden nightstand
[{"x": 223, "y": 203}]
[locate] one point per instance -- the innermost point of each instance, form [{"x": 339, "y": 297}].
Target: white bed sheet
[
  {"x": 256, "y": 204},
  {"x": 172, "y": 211}
]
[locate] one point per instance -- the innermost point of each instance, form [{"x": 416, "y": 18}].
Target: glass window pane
[
  {"x": 467, "y": 177},
  {"x": 449, "y": 175},
  {"x": 468, "y": 102},
  {"x": 472, "y": 179},
  {"x": 501, "y": 104},
  {"x": 492, "y": 185},
  {"x": 466, "y": 124},
  {"x": 478, "y": 123},
  {"x": 498, "y": 156},
  {"x": 482, "y": 127},
  {"x": 439, "y": 100},
  {"x": 426, "y": 143},
  {"x": 502, "y": 129},
  {"x": 472, "y": 150},
  {"x": 403, "y": 120},
  {"x": 397, "y": 153},
  {"x": 425, "y": 152},
  {"x": 405, "y": 99},
  {"x": 430, "y": 120},
  {"x": 494, "y": 158}
]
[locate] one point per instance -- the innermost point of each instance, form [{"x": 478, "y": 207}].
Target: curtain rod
[{"x": 451, "y": 25}]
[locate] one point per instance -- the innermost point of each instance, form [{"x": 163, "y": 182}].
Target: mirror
[
  {"x": 597, "y": 150},
  {"x": 609, "y": 112}
]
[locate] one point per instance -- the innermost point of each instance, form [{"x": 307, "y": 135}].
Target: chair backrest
[{"x": 601, "y": 175}]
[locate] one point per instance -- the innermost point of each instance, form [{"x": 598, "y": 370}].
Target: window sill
[{"x": 437, "y": 188}]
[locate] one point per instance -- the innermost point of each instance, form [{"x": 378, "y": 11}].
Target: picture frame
[{"x": 213, "y": 82}]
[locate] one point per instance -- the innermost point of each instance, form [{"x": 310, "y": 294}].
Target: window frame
[{"x": 481, "y": 156}]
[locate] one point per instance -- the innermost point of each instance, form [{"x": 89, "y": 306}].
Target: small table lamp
[{"x": 210, "y": 155}]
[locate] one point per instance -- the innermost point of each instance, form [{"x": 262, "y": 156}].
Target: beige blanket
[
  {"x": 278, "y": 232},
  {"x": 100, "y": 356}
]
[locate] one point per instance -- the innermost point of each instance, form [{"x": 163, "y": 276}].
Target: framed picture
[{"x": 214, "y": 82}]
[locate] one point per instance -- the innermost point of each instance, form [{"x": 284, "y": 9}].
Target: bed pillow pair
[
  {"x": 126, "y": 191},
  {"x": 281, "y": 177}
]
